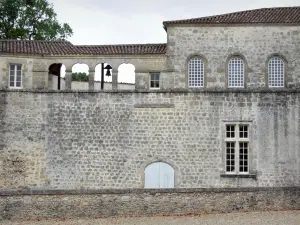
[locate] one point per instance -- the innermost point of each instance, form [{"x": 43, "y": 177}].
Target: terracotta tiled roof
[
  {"x": 37, "y": 47},
  {"x": 67, "y": 48},
  {"x": 122, "y": 49},
  {"x": 283, "y": 15}
]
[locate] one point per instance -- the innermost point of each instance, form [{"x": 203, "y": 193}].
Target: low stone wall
[{"x": 138, "y": 202}]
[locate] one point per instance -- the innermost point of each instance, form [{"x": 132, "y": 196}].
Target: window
[
  {"x": 159, "y": 175},
  {"x": 154, "y": 81},
  {"x": 196, "y": 72},
  {"x": 237, "y": 148},
  {"x": 15, "y": 76},
  {"x": 276, "y": 72},
  {"x": 236, "y": 72}
]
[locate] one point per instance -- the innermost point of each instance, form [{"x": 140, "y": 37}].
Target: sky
[{"x": 97, "y": 22}]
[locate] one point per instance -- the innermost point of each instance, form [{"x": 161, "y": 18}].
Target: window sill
[
  {"x": 15, "y": 87},
  {"x": 253, "y": 176}
]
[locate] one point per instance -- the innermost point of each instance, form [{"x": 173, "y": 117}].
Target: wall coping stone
[
  {"x": 204, "y": 90},
  {"x": 142, "y": 191}
]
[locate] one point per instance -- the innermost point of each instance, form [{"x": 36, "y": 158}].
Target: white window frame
[
  {"x": 154, "y": 80},
  {"x": 276, "y": 72},
  {"x": 196, "y": 72},
  {"x": 236, "y": 72},
  {"x": 237, "y": 140},
  {"x": 15, "y": 76}
]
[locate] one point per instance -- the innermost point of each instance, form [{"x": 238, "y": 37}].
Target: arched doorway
[{"x": 159, "y": 175}]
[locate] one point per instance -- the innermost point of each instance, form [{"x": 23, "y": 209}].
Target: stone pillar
[
  {"x": 68, "y": 80},
  {"x": 49, "y": 82},
  {"x": 92, "y": 80},
  {"x": 142, "y": 81},
  {"x": 114, "y": 80}
]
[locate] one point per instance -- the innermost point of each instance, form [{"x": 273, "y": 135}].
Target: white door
[{"x": 159, "y": 175}]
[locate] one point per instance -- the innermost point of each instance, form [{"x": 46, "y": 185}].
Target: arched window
[
  {"x": 196, "y": 72},
  {"x": 276, "y": 72},
  {"x": 159, "y": 175},
  {"x": 236, "y": 72}
]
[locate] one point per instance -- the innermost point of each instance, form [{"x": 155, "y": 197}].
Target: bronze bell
[{"x": 108, "y": 73}]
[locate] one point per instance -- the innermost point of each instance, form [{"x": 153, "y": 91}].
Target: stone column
[
  {"x": 68, "y": 83},
  {"x": 49, "y": 82},
  {"x": 114, "y": 80},
  {"x": 142, "y": 80},
  {"x": 92, "y": 80}
]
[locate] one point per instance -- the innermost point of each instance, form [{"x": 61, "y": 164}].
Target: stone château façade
[{"x": 218, "y": 106}]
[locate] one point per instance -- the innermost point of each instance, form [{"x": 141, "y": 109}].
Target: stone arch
[
  {"x": 56, "y": 75},
  {"x": 80, "y": 76},
  {"x": 126, "y": 76},
  {"x": 107, "y": 79}
]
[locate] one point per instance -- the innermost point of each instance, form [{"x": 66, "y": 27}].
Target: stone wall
[
  {"x": 102, "y": 140},
  {"x": 216, "y": 44},
  {"x": 93, "y": 204}
]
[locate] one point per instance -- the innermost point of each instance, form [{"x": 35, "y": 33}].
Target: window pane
[
  {"x": 11, "y": 84},
  {"x": 243, "y": 147},
  {"x": 230, "y": 131},
  {"x": 154, "y": 81},
  {"x": 230, "y": 156},
  {"x": 12, "y": 67},
  {"x": 19, "y": 67},
  {"x": 19, "y": 78},
  {"x": 236, "y": 72},
  {"x": 243, "y": 131},
  {"x": 276, "y": 72},
  {"x": 196, "y": 72},
  {"x": 18, "y": 84}
]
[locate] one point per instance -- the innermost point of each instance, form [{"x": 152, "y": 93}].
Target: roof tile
[
  {"x": 122, "y": 49},
  {"x": 67, "y": 48},
  {"x": 282, "y": 15}
]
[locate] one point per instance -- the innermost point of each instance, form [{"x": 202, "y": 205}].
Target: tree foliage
[
  {"x": 31, "y": 20},
  {"x": 83, "y": 77}
]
